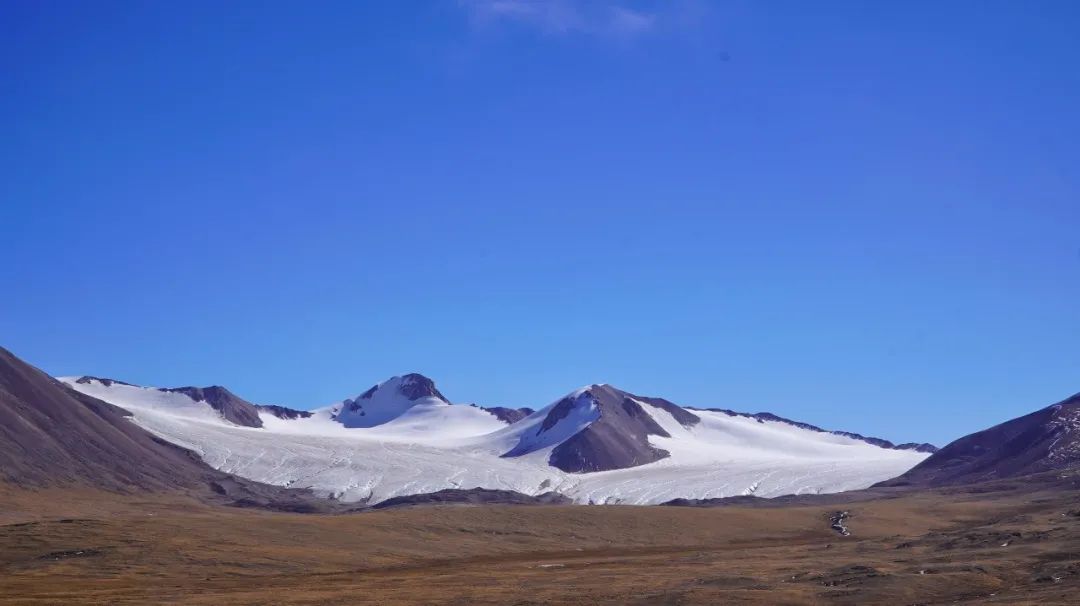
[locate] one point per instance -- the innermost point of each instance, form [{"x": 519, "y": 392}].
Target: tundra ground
[{"x": 62, "y": 546}]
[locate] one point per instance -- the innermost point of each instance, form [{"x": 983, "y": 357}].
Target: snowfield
[{"x": 400, "y": 447}]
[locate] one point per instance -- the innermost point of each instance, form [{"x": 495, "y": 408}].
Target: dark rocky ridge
[
  {"x": 106, "y": 382},
  {"x": 507, "y": 415},
  {"x": 880, "y": 442},
  {"x": 283, "y": 412},
  {"x": 682, "y": 415},
  {"x": 1045, "y": 440},
  {"x": 231, "y": 407},
  {"x": 917, "y": 447},
  {"x": 473, "y": 496}
]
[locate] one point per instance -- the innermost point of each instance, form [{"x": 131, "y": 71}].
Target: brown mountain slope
[
  {"x": 51, "y": 435},
  {"x": 616, "y": 439},
  {"x": 1045, "y": 440}
]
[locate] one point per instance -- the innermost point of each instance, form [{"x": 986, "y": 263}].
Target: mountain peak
[
  {"x": 412, "y": 385},
  {"x": 600, "y": 428},
  {"x": 415, "y": 386},
  {"x": 389, "y": 400}
]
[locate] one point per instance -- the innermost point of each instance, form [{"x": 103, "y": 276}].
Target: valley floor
[{"x": 1009, "y": 546}]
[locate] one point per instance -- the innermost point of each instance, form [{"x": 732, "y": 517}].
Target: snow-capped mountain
[
  {"x": 599, "y": 428},
  {"x": 412, "y": 393},
  {"x": 411, "y": 404},
  {"x": 598, "y": 444}
]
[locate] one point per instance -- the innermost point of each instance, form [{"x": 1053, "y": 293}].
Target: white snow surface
[{"x": 431, "y": 445}]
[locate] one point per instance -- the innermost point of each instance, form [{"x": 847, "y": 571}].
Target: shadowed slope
[
  {"x": 51, "y": 435},
  {"x": 1045, "y": 440}
]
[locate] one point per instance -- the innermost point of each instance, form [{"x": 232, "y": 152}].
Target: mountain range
[
  {"x": 403, "y": 437},
  {"x": 597, "y": 444}
]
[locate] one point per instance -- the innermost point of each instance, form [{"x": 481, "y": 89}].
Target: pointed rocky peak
[
  {"x": 599, "y": 428},
  {"x": 612, "y": 401},
  {"x": 412, "y": 386},
  {"x": 605, "y": 401},
  {"x": 232, "y": 408},
  {"x": 415, "y": 386},
  {"x": 617, "y": 439},
  {"x": 389, "y": 400}
]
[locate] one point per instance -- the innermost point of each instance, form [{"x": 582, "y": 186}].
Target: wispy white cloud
[
  {"x": 626, "y": 21},
  {"x": 592, "y": 17}
]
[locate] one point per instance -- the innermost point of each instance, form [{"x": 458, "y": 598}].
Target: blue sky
[{"x": 864, "y": 216}]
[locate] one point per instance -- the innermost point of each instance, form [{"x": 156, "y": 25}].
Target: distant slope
[
  {"x": 768, "y": 416},
  {"x": 1045, "y": 440}
]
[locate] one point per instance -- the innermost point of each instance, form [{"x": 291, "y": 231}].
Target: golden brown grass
[{"x": 94, "y": 548}]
